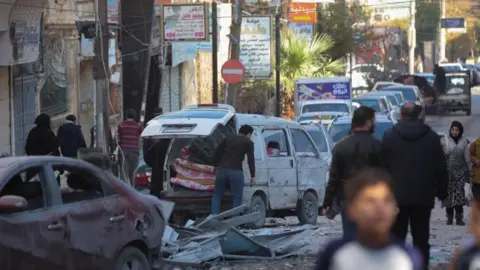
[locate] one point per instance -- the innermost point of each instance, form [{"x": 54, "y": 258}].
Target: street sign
[
  {"x": 453, "y": 23},
  {"x": 233, "y": 71}
]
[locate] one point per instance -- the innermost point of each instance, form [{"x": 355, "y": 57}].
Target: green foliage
[{"x": 342, "y": 23}]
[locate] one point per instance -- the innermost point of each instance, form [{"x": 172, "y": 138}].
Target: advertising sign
[
  {"x": 304, "y": 29},
  {"x": 303, "y": 12},
  {"x": 184, "y": 22},
  {"x": 112, "y": 11},
  {"x": 255, "y": 46},
  {"x": 323, "y": 90}
]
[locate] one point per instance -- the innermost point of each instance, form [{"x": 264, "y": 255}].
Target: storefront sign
[
  {"x": 303, "y": 12},
  {"x": 112, "y": 11},
  {"x": 185, "y": 22},
  {"x": 255, "y": 46},
  {"x": 304, "y": 29}
]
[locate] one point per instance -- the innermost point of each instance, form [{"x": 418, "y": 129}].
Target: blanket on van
[{"x": 193, "y": 175}]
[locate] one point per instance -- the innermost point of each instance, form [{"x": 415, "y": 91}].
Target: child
[
  {"x": 468, "y": 256},
  {"x": 372, "y": 206}
]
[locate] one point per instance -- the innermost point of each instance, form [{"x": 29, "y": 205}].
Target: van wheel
[
  {"x": 258, "y": 205},
  {"x": 307, "y": 209},
  {"x": 469, "y": 111},
  {"x": 132, "y": 258}
]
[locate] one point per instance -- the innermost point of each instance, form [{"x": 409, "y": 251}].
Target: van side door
[
  {"x": 282, "y": 170},
  {"x": 311, "y": 168}
]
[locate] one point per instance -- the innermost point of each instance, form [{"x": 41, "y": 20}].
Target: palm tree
[{"x": 301, "y": 57}]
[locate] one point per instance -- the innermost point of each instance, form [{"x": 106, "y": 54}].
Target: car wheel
[
  {"x": 132, "y": 258},
  {"x": 258, "y": 205},
  {"x": 307, "y": 209}
]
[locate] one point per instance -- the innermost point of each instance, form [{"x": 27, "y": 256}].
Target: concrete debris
[{"x": 216, "y": 239}]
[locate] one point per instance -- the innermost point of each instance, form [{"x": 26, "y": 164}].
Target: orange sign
[{"x": 303, "y": 12}]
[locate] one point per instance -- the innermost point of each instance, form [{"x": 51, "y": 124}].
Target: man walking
[
  {"x": 128, "y": 135},
  {"x": 228, "y": 160},
  {"x": 70, "y": 137},
  {"x": 350, "y": 155},
  {"x": 154, "y": 154},
  {"x": 414, "y": 158}
]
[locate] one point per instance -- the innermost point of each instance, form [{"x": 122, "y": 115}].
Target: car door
[
  {"x": 281, "y": 170},
  {"x": 310, "y": 167},
  {"x": 33, "y": 238},
  {"x": 98, "y": 220}
]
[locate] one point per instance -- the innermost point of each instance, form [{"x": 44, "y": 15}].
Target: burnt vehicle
[
  {"x": 92, "y": 220},
  {"x": 457, "y": 95}
]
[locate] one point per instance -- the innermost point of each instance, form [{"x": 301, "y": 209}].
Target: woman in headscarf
[
  {"x": 455, "y": 147},
  {"x": 41, "y": 140}
]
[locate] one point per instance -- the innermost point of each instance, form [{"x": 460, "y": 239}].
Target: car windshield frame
[
  {"x": 323, "y": 148},
  {"x": 194, "y": 114},
  {"x": 344, "y": 129},
  {"x": 337, "y": 108}
]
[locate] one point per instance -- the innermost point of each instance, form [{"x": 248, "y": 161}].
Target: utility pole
[
  {"x": 235, "y": 31},
  {"x": 101, "y": 75},
  {"x": 214, "y": 53},
  {"x": 442, "y": 35},
  {"x": 278, "y": 98},
  {"x": 412, "y": 33}
]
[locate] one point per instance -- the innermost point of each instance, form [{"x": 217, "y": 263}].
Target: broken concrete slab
[
  {"x": 232, "y": 222},
  {"x": 198, "y": 252}
]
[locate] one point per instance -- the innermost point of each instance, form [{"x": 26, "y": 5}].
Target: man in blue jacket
[{"x": 70, "y": 137}]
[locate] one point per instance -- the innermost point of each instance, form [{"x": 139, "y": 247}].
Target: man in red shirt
[{"x": 128, "y": 137}]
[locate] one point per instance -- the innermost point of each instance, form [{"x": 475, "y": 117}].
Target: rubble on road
[{"x": 217, "y": 239}]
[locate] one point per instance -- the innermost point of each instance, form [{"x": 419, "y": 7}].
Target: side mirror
[{"x": 12, "y": 203}]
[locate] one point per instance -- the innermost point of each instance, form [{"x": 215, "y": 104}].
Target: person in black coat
[
  {"x": 41, "y": 140},
  {"x": 70, "y": 137},
  {"x": 413, "y": 155},
  {"x": 440, "y": 79}
]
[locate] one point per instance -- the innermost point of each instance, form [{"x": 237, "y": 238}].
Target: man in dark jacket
[
  {"x": 351, "y": 154},
  {"x": 414, "y": 158},
  {"x": 228, "y": 160},
  {"x": 70, "y": 137},
  {"x": 440, "y": 79}
]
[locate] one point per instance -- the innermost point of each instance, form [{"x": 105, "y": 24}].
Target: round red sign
[{"x": 233, "y": 71}]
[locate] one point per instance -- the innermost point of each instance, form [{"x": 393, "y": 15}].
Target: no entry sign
[{"x": 233, "y": 71}]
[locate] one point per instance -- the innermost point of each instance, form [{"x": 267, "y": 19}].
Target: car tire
[
  {"x": 258, "y": 205},
  {"x": 130, "y": 256},
  {"x": 307, "y": 209}
]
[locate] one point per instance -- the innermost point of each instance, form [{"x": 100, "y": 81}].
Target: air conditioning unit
[{"x": 386, "y": 17}]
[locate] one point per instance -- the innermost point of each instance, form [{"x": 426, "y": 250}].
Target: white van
[{"x": 293, "y": 181}]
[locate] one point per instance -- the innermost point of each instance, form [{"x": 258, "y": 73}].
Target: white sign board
[
  {"x": 255, "y": 46},
  {"x": 184, "y": 22}
]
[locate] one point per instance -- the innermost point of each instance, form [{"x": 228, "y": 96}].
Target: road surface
[{"x": 443, "y": 238}]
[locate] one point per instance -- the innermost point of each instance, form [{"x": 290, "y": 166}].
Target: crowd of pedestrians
[{"x": 384, "y": 188}]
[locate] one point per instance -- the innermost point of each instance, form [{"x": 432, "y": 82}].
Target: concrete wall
[{"x": 5, "y": 117}]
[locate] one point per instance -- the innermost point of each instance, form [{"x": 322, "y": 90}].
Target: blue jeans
[
  {"x": 349, "y": 227},
  {"x": 236, "y": 181}
]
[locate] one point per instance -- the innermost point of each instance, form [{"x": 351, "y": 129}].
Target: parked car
[
  {"x": 143, "y": 175},
  {"x": 378, "y": 103},
  {"x": 410, "y": 92},
  {"x": 393, "y": 99},
  {"x": 285, "y": 182},
  {"x": 380, "y": 85},
  {"x": 340, "y": 128},
  {"x": 92, "y": 220}
]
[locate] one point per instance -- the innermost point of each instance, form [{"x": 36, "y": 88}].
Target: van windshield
[{"x": 206, "y": 114}]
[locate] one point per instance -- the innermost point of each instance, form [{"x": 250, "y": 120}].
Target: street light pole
[
  {"x": 411, "y": 38},
  {"x": 278, "y": 98}
]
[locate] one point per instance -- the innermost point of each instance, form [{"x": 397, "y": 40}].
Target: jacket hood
[
  {"x": 411, "y": 129},
  {"x": 43, "y": 120}
]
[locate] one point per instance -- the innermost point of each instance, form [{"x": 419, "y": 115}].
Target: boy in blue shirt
[
  {"x": 371, "y": 205},
  {"x": 468, "y": 255}
]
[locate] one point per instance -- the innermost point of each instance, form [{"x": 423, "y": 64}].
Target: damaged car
[
  {"x": 85, "y": 219},
  {"x": 290, "y": 178}
]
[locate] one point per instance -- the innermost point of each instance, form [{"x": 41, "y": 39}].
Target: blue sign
[
  {"x": 453, "y": 23},
  {"x": 327, "y": 90}
]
